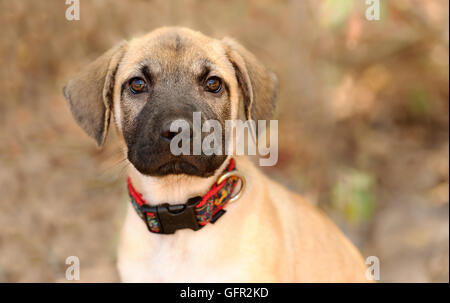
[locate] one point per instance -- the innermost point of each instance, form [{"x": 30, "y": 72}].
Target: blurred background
[{"x": 363, "y": 111}]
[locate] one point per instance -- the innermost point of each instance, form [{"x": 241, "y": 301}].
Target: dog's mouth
[
  {"x": 202, "y": 167},
  {"x": 161, "y": 163},
  {"x": 152, "y": 166},
  {"x": 177, "y": 167}
]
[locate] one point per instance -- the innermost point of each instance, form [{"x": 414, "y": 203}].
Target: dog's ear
[
  {"x": 90, "y": 93},
  {"x": 259, "y": 86}
]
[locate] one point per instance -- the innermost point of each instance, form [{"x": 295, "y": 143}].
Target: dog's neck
[{"x": 173, "y": 189}]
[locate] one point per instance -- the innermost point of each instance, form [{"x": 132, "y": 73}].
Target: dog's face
[{"x": 168, "y": 75}]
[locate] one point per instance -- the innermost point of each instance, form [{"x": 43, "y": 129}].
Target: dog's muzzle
[{"x": 151, "y": 154}]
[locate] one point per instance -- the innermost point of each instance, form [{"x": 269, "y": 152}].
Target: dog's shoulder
[{"x": 309, "y": 232}]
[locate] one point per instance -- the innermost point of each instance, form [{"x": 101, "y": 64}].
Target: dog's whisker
[{"x": 123, "y": 170}]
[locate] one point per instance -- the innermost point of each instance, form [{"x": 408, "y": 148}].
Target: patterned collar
[{"x": 196, "y": 212}]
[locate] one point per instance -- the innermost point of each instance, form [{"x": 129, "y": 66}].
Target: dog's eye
[
  {"x": 138, "y": 85},
  {"x": 213, "y": 85}
]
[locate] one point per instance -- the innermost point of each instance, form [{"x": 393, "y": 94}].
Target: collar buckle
[{"x": 175, "y": 217}]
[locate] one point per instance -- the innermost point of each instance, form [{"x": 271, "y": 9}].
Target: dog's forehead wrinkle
[
  {"x": 172, "y": 41},
  {"x": 150, "y": 65},
  {"x": 175, "y": 42}
]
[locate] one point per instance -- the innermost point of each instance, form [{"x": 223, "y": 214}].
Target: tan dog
[{"x": 269, "y": 234}]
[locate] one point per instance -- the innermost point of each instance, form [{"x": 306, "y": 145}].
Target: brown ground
[{"x": 363, "y": 114}]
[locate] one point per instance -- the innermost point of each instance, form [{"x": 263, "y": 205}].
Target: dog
[{"x": 201, "y": 218}]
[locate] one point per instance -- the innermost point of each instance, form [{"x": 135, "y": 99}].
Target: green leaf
[{"x": 353, "y": 195}]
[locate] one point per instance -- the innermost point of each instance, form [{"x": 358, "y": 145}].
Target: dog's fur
[{"x": 269, "y": 234}]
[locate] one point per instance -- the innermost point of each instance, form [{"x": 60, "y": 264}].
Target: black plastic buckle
[{"x": 174, "y": 217}]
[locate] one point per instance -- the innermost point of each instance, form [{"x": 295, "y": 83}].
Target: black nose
[{"x": 167, "y": 134}]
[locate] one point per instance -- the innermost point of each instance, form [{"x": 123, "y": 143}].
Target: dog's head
[{"x": 151, "y": 81}]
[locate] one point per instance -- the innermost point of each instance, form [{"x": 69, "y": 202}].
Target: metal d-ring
[{"x": 229, "y": 175}]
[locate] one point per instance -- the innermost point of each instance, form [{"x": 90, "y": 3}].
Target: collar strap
[{"x": 195, "y": 213}]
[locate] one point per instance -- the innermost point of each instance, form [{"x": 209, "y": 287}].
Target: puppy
[{"x": 262, "y": 232}]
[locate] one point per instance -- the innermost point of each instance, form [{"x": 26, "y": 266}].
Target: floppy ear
[
  {"x": 259, "y": 86},
  {"x": 90, "y": 93}
]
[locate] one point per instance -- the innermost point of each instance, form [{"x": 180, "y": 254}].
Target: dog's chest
[{"x": 201, "y": 256}]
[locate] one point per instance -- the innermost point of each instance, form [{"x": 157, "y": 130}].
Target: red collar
[{"x": 196, "y": 212}]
